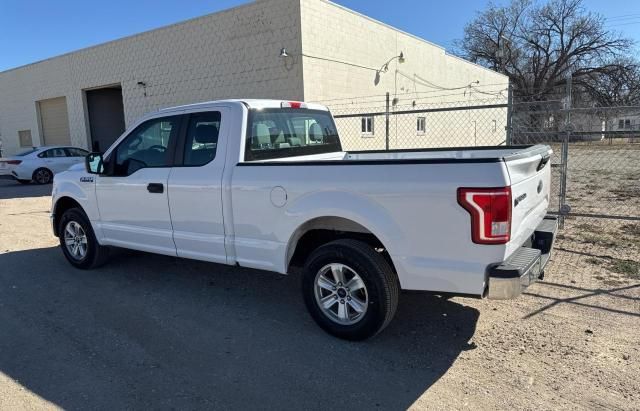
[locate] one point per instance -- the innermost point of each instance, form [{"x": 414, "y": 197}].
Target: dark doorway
[{"x": 106, "y": 116}]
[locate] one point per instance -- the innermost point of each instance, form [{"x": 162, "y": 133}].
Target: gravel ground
[{"x": 155, "y": 332}]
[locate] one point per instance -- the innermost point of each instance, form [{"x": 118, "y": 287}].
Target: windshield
[
  {"x": 278, "y": 133},
  {"x": 26, "y": 153}
]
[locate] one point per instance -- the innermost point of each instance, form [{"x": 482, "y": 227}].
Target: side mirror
[{"x": 94, "y": 163}]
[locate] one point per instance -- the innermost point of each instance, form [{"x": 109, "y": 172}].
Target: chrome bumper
[{"x": 509, "y": 278}]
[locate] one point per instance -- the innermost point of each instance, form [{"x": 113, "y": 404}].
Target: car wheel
[
  {"x": 78, "y": 241},
  {"x": 42, "y": 176},
  {"x": 350, "y": 290},
  {"x": 24, "y": 181}
]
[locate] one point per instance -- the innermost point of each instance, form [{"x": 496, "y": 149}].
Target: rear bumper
[
  {"x": 509, "y": 278},
  {"x": 13, "y": 173}
]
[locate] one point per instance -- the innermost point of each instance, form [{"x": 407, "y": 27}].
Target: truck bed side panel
[{"x": 412, "y": 208}]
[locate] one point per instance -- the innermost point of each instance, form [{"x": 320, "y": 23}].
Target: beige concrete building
[{"x": 332, "y": 54}]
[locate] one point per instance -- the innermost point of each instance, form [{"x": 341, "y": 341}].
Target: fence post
[
  {"x": 563, "y": 208},
  {"x": 386, "y": 121},
  {"x": 509, "y": 139}
]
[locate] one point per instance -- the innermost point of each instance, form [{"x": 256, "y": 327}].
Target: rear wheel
[
  {"x": 350, "y": 290},
  {"x": 78, "y": 241},
  {"x": 43, "y": 176}
]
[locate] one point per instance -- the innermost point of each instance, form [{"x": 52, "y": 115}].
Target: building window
[
  {"x": 627, "y": 124},
  {"x": 367, "y": 125},
  {"x": 25, "y": 138},
  {"x": 620, "y": 124},
  {"x": 494, "y": 126},
  {"x": 421, "y": 125}
]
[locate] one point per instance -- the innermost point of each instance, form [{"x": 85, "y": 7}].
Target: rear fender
[{"x": 350, "y": 206}]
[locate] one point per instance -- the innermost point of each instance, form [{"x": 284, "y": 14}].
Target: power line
[
  {"x": 625, "y": 24},
  {"x": 623, "y": 17},
  {"x": 351, "y": 99}
]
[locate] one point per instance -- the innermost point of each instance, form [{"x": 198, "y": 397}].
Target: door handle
[{"x": 155, "y": 188}]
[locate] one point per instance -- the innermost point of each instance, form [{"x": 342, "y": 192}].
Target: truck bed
[{"x": 486, "y": 154}]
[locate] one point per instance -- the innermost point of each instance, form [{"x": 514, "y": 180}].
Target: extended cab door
[
  {"x": 195, "y": 187},
  {"x": 132, "y": 197}
]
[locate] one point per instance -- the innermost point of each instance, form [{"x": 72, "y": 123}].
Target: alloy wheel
[
  {"x": 75, "y": 240},
  {"x": 341, "y": 294}
]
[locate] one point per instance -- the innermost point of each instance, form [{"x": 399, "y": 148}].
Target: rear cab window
[{"x": 283, "y": 132}]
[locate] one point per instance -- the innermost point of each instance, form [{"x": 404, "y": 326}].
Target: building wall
[
  {"x": 331, "y": 32},
  {"x": 233, "y": 53}
]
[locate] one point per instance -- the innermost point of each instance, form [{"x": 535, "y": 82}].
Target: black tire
[
  {"x": 43, "y": 176},
  {"x": 379, "y": 279},
  {"x": 96, "y": 255},
  {"x": 24, "y": 181}
]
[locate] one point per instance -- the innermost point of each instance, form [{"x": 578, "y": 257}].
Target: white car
[
  {"x": 42, "y": 163},
  {"x": 266, "y": 184}
]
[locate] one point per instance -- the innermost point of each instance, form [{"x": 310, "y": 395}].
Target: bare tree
[
  {"x": 618, "y": 87},
  {"x": 539, "y": 45}
]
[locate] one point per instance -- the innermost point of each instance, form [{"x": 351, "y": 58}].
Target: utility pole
[
  {"x": 509, "y": 127},
  {"x": 386, "y": 132},
  {"x": 563, "y": 207}
]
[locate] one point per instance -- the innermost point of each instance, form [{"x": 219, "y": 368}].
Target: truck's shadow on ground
[{"x": 156, "y": 332}]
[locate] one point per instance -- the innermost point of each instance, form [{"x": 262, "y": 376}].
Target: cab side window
[
  {"x": 201, "y": 141},
  {"x": 149, "y": 145}
]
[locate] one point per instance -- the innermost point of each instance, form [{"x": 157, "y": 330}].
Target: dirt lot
[{"x": 156, "y": 332}]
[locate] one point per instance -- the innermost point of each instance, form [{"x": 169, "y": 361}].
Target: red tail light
[
  {"x": 490, "y": 210},
  {"x": 14, "y": 162}
]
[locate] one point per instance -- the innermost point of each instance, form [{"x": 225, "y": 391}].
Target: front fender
[{"x": 83, "y": 192}]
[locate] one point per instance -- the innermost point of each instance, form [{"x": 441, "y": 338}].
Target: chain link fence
[
  {"x": 419, "y": 121},
  {"x": 597, "y": 153}
]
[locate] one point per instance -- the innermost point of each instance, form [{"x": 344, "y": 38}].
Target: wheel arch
[
  {"x": 61, "y": 205},
  {"x": 321, "y": 230}
]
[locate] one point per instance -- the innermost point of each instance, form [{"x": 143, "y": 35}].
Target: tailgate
[{"x": 530, "y": 177}]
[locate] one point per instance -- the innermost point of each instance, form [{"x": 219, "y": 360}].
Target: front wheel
[
  {"x": 78, "y": 241},
  {"x": 350, "y": 290}
]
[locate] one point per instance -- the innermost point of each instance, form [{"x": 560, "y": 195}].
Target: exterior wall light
[{"x": 385, "y": 67}]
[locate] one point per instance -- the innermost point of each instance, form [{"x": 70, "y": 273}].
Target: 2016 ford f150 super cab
[{"x": 266, "y": 184}]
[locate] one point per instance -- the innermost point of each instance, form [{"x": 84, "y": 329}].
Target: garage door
[{"x": 54, "y": 121}]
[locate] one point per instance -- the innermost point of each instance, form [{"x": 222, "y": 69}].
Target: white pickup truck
[{"x": 265, "y": 184}]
